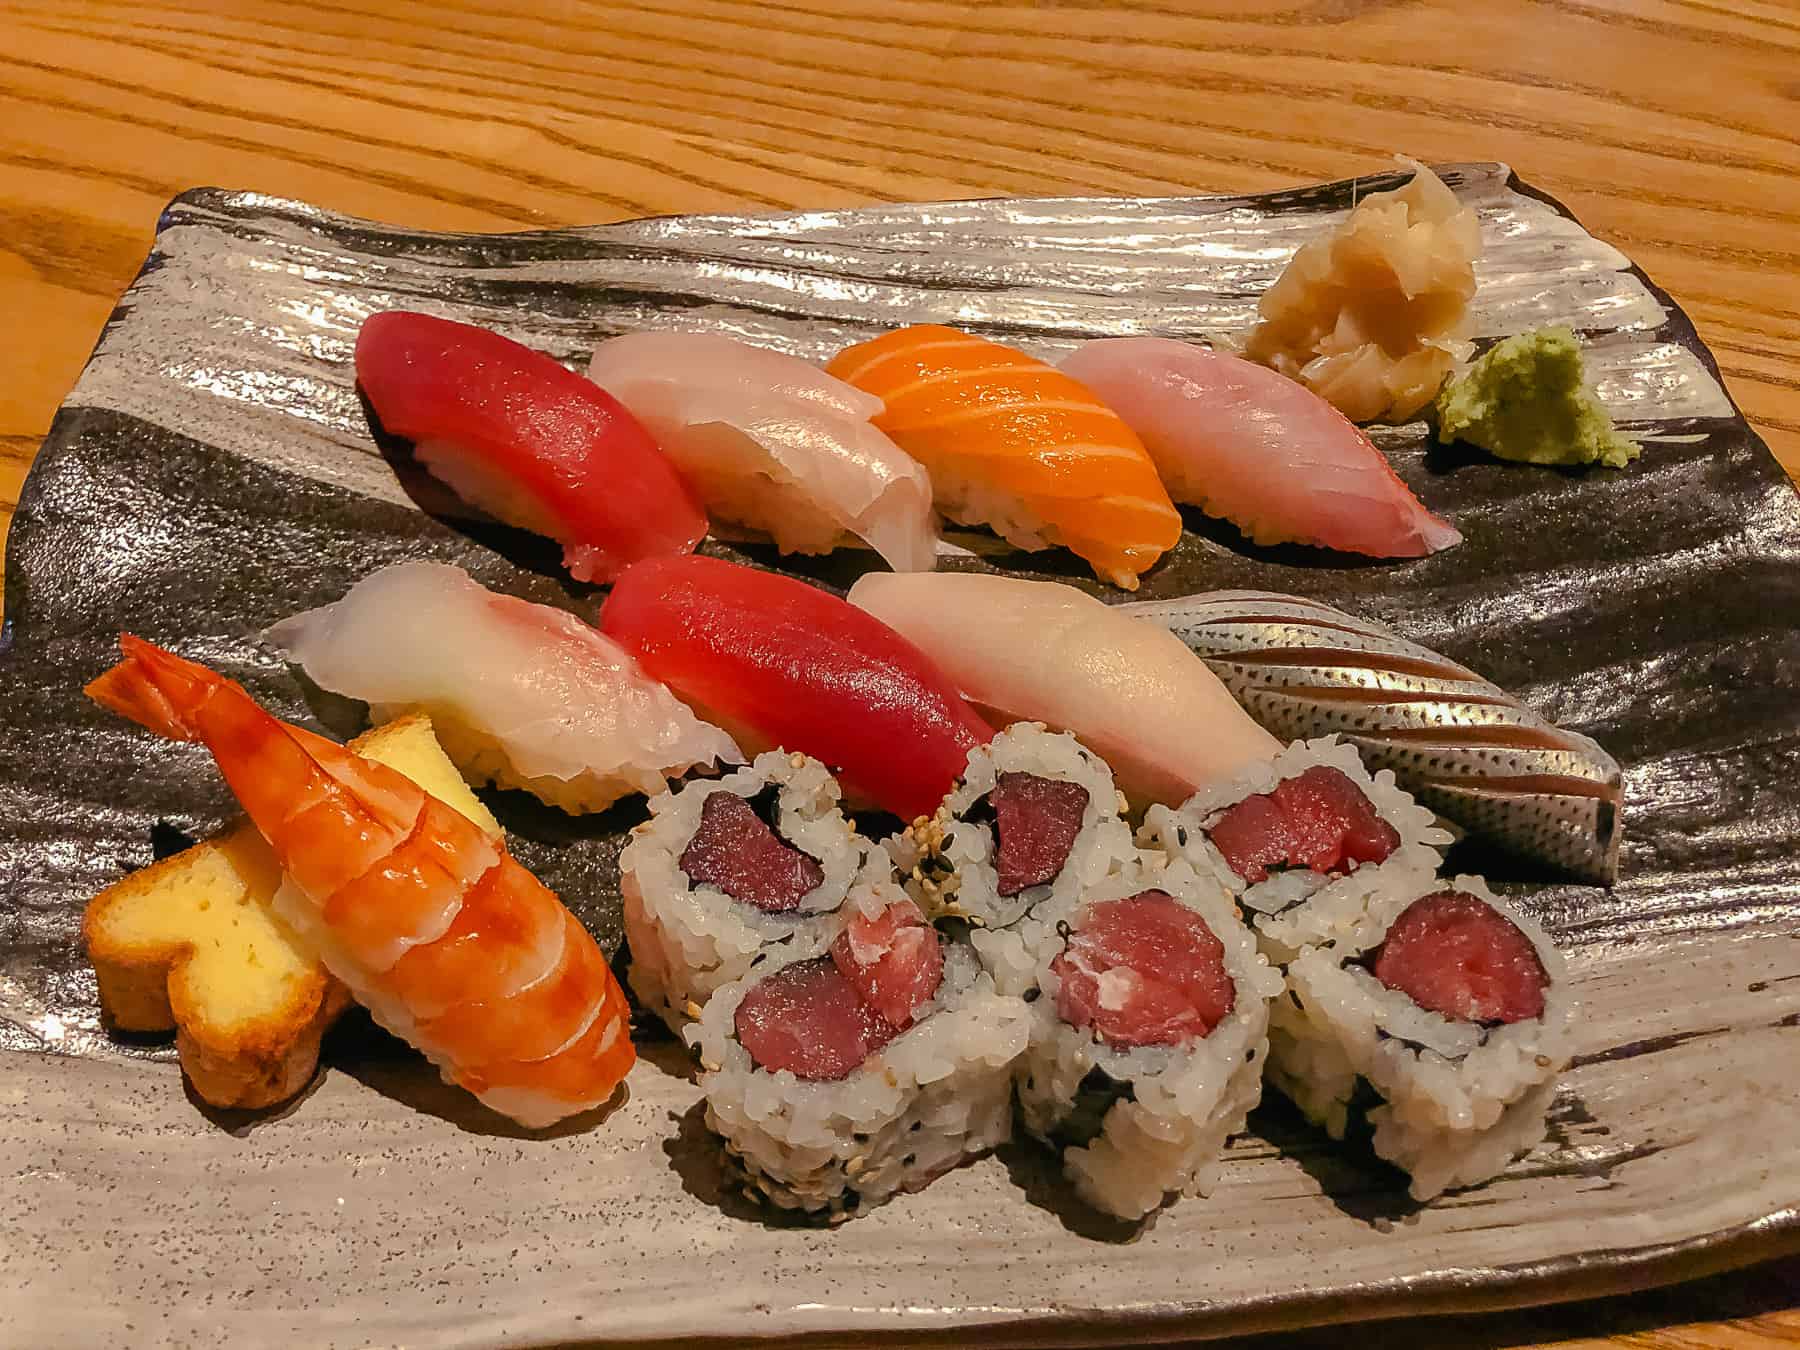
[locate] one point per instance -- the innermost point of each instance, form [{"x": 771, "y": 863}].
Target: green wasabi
[{"x": 1527, "y": 399}]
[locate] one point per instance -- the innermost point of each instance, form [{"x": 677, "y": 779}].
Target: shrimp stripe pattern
[
  {"x": 991, "y": 424},
  {"x": 436, "y": 929}
]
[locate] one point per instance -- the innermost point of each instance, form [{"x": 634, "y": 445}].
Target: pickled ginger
[{"x": 1374, "y": 314}]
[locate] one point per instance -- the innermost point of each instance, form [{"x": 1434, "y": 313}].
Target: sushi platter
[{"x": 1068, "y": 770}]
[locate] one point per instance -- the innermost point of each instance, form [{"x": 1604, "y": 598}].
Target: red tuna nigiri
[
  {"x": 1261, "y": 450},
  {"x": 801, "y": 669},
  {"x": 528, "y": 441}
]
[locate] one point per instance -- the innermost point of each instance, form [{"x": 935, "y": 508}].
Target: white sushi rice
[
  {"x": 482, "y": 758},
  {"x": 1168, "y": 1110},
  {"x": 686, "y": 940},
  {"x": 948, "y": 861},
  {"x": 1296, "y": 907},
  {"x": 969, "y": 501},
  {"x": 1459, "y": 1100},
  {"x": 935, "y": 1095}
]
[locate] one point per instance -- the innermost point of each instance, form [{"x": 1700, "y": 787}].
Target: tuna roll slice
[
  {"x": 838, "y": 1080},
  {"x": 1035, "y": 817},
  {"x": 1150, "y": 1009},
  {"x": 726, "y": 866},
  {"x": 1306, "y": 841},
  {"x": 1454, "y": 1007}
]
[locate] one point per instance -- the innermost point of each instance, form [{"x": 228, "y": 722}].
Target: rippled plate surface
[{"x": 212, "y": 472}]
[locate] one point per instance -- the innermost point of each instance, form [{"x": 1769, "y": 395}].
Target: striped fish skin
[{"x": 1459, "y": 743}]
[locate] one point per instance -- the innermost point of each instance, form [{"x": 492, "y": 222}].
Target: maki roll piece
[
  {"x": 1034, "y": 818},
  {"x": 1308, "y": 841},
  {"x": 1148, "y": 1034},
  {"x": 1454, "y": 1008},
  {"x": 838, "y": 1079},
  {"x": 723, "y": 868}
]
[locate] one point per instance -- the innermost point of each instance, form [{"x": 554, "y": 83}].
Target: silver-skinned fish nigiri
[{"x": 1459, "y": 743}]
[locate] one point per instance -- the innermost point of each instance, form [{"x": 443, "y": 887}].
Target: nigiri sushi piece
[
  {"x": 1258, "y": 449},
  {"x": 1017, "y": 445},
  {"x": 450, "y": 944},
  {"x": 522, "y": 695},
  {"x": 527, "y": 440},
  {"x": 774, "y": 443},
  {"x": 1038, "y": 651},
  {"x": 781, "y": 663}
]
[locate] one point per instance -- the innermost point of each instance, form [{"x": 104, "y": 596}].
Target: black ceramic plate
[{"x": 212, "y": 472}]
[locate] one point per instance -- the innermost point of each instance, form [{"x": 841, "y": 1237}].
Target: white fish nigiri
[
  {"x": 772, "y": 442},
  {"x": 1039, "y": 651},
  {"x": 521, "y": 695},
  {"x": 1247, "y": 444}
]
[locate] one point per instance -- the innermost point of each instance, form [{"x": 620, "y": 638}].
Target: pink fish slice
[{"x": 1257, "y": 449}]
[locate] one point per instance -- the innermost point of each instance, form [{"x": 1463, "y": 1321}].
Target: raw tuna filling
[
  {"x": 821, "y": 1019},
  {"x": 736, "y": 849},
  {"x": 1455, "y": 954},
  {"x": 1143, "y": 971},
  {"x": 808, "y": 1019},
  {"x": 1035, "y": 824},
  {"x": 893, "y": 960},
  {"x": 1318, "y": 819}
]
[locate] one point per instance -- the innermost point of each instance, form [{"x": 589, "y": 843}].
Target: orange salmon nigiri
[
  {"x": 447, "y": 941},
  {"x": 1015, "y": 444}
]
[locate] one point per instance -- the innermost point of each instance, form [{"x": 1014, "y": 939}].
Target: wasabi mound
[{"x": 1527, "y": 399}]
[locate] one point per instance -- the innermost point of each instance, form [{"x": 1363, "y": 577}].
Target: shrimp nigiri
[
  {"x": 450, "y": 943},
  {"x": 774, "y": 443},
  {"x": 1017, "y": 445},
  {"x": 1264, "y": 452},
  {"x": 527, "y": 440}
]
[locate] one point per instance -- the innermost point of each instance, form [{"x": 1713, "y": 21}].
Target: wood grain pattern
[{"x": 1666, "y": 125}]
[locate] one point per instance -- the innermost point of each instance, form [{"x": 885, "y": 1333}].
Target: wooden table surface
[{"x": 1667, "y": 125}]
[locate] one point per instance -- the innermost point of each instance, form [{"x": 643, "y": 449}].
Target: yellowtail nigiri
[{"x": 1262, "y": 451}]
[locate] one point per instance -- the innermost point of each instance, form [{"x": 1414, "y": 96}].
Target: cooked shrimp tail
[
  {"x": 154, "y": 688},
  {"x": 448, "y": 942}
]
